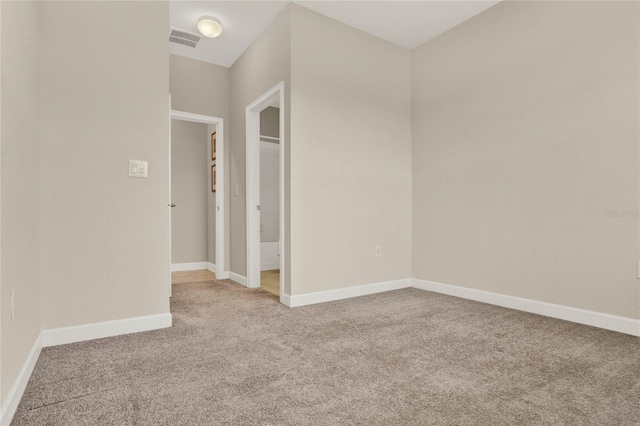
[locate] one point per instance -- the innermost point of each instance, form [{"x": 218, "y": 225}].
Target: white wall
[
  {"x": 20, "y": 188},
  {"x": 525, "y": 127},
  {"x": 104, "y": 100},
  {"x": 190, "y": 188},
  {"x": 350, "y": 156}
]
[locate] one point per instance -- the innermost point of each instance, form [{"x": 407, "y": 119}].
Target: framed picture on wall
[
  {"x": 213, "y": 146},
  {"x": 213, "y": 178}
]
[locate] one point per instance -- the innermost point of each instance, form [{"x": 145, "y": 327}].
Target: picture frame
[
  {"x": 213, "y": 146},
  {"x": 213, "y": 178}
]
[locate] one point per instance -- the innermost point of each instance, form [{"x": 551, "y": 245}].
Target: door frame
[
  {"x": 253, "y": 185},
  {"x": 220, "y": 271}
]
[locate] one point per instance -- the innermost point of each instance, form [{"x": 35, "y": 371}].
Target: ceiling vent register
[{"x": 184, "y": 38}]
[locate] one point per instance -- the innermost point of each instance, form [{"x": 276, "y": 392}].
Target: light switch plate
[
  {"x": 638, "y": 270},
  {"x": 138, "y": 168}
]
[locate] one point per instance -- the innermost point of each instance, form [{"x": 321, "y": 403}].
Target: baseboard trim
[
  {"x": 190, "y": 266},
  {"x": 286, "y": 299},
  {"x": 567, "y": 313},
  {"x": 348, "y": 292},
  {"x": 269, "y": 266},
  {"x": 194, "y": 266},
  {"x": 80, "y": 333},
  {"x": 238, "y": 278},
  {"x": 99, "y": 330},
  {"x": 12, "y": 400}
]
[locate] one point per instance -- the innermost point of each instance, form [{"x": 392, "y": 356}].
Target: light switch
[{"x": 138, "y": 168}]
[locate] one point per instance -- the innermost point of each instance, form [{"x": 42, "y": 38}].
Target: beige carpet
[{"x": 236, "y": 356}]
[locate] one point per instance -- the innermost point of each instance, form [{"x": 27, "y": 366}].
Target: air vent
[{"x": 184, "y": 38}]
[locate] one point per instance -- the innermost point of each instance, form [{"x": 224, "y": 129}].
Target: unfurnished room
[{"x": 319, "y": 212}]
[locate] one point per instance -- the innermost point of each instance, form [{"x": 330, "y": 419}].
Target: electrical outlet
[
  {"x": 13, "y": 304},
  {"x": 236, "y": 190},
  {"x": 378, "y": 251}
]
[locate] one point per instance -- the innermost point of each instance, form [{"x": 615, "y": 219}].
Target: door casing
[
  {"x": 221, "y": 272},
  {"x": 253, "y": 110}
]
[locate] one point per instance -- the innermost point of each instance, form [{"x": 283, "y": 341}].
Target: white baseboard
[
  {"x": 285, "y": 300},
  {"x": 222, "y": 275},
  {"x": 238, "y": 278},
  {"x": 60, "y": 336},
  {"x": 85, "y": 332},
  {"x": 269, "y": 266},
  {"x": 12, "y": 400},
  {"x": 98, "y": 330},
  {"x": 348, "y": 292},
  {"x": 581, "y": 316},
  {"x": 190, "y": 266},
  {"x": 196, "y": 266}
]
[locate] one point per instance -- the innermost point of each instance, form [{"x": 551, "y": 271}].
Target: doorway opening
[
  {"x": 196, "y": 171},
  {"x": 265, "y": 145}
]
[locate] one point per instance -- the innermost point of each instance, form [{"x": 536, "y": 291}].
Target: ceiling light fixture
[{"x": 209, "y": 27}]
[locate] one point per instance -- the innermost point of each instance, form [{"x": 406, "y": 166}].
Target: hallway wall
[{"x": 190, "y": 189}]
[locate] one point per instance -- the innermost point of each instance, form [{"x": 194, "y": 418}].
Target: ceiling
[
  {"x": 405, "y": 23},
  {"x": 242, "y": 23}
]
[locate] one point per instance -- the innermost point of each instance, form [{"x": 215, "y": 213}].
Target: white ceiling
[
  {"x": 242, "y": 23},
  {"x": 405, "y": 23}
]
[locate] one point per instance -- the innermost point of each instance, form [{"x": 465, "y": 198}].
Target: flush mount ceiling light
[{"x": 209, "y": 27}]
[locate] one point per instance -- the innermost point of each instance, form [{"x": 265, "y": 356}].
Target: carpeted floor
[{"x": 236, "y": 356}]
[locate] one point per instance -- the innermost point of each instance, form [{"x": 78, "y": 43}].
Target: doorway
[
  {"x": 209, "y": 193},
  {"x": 265, "y": 145}
]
